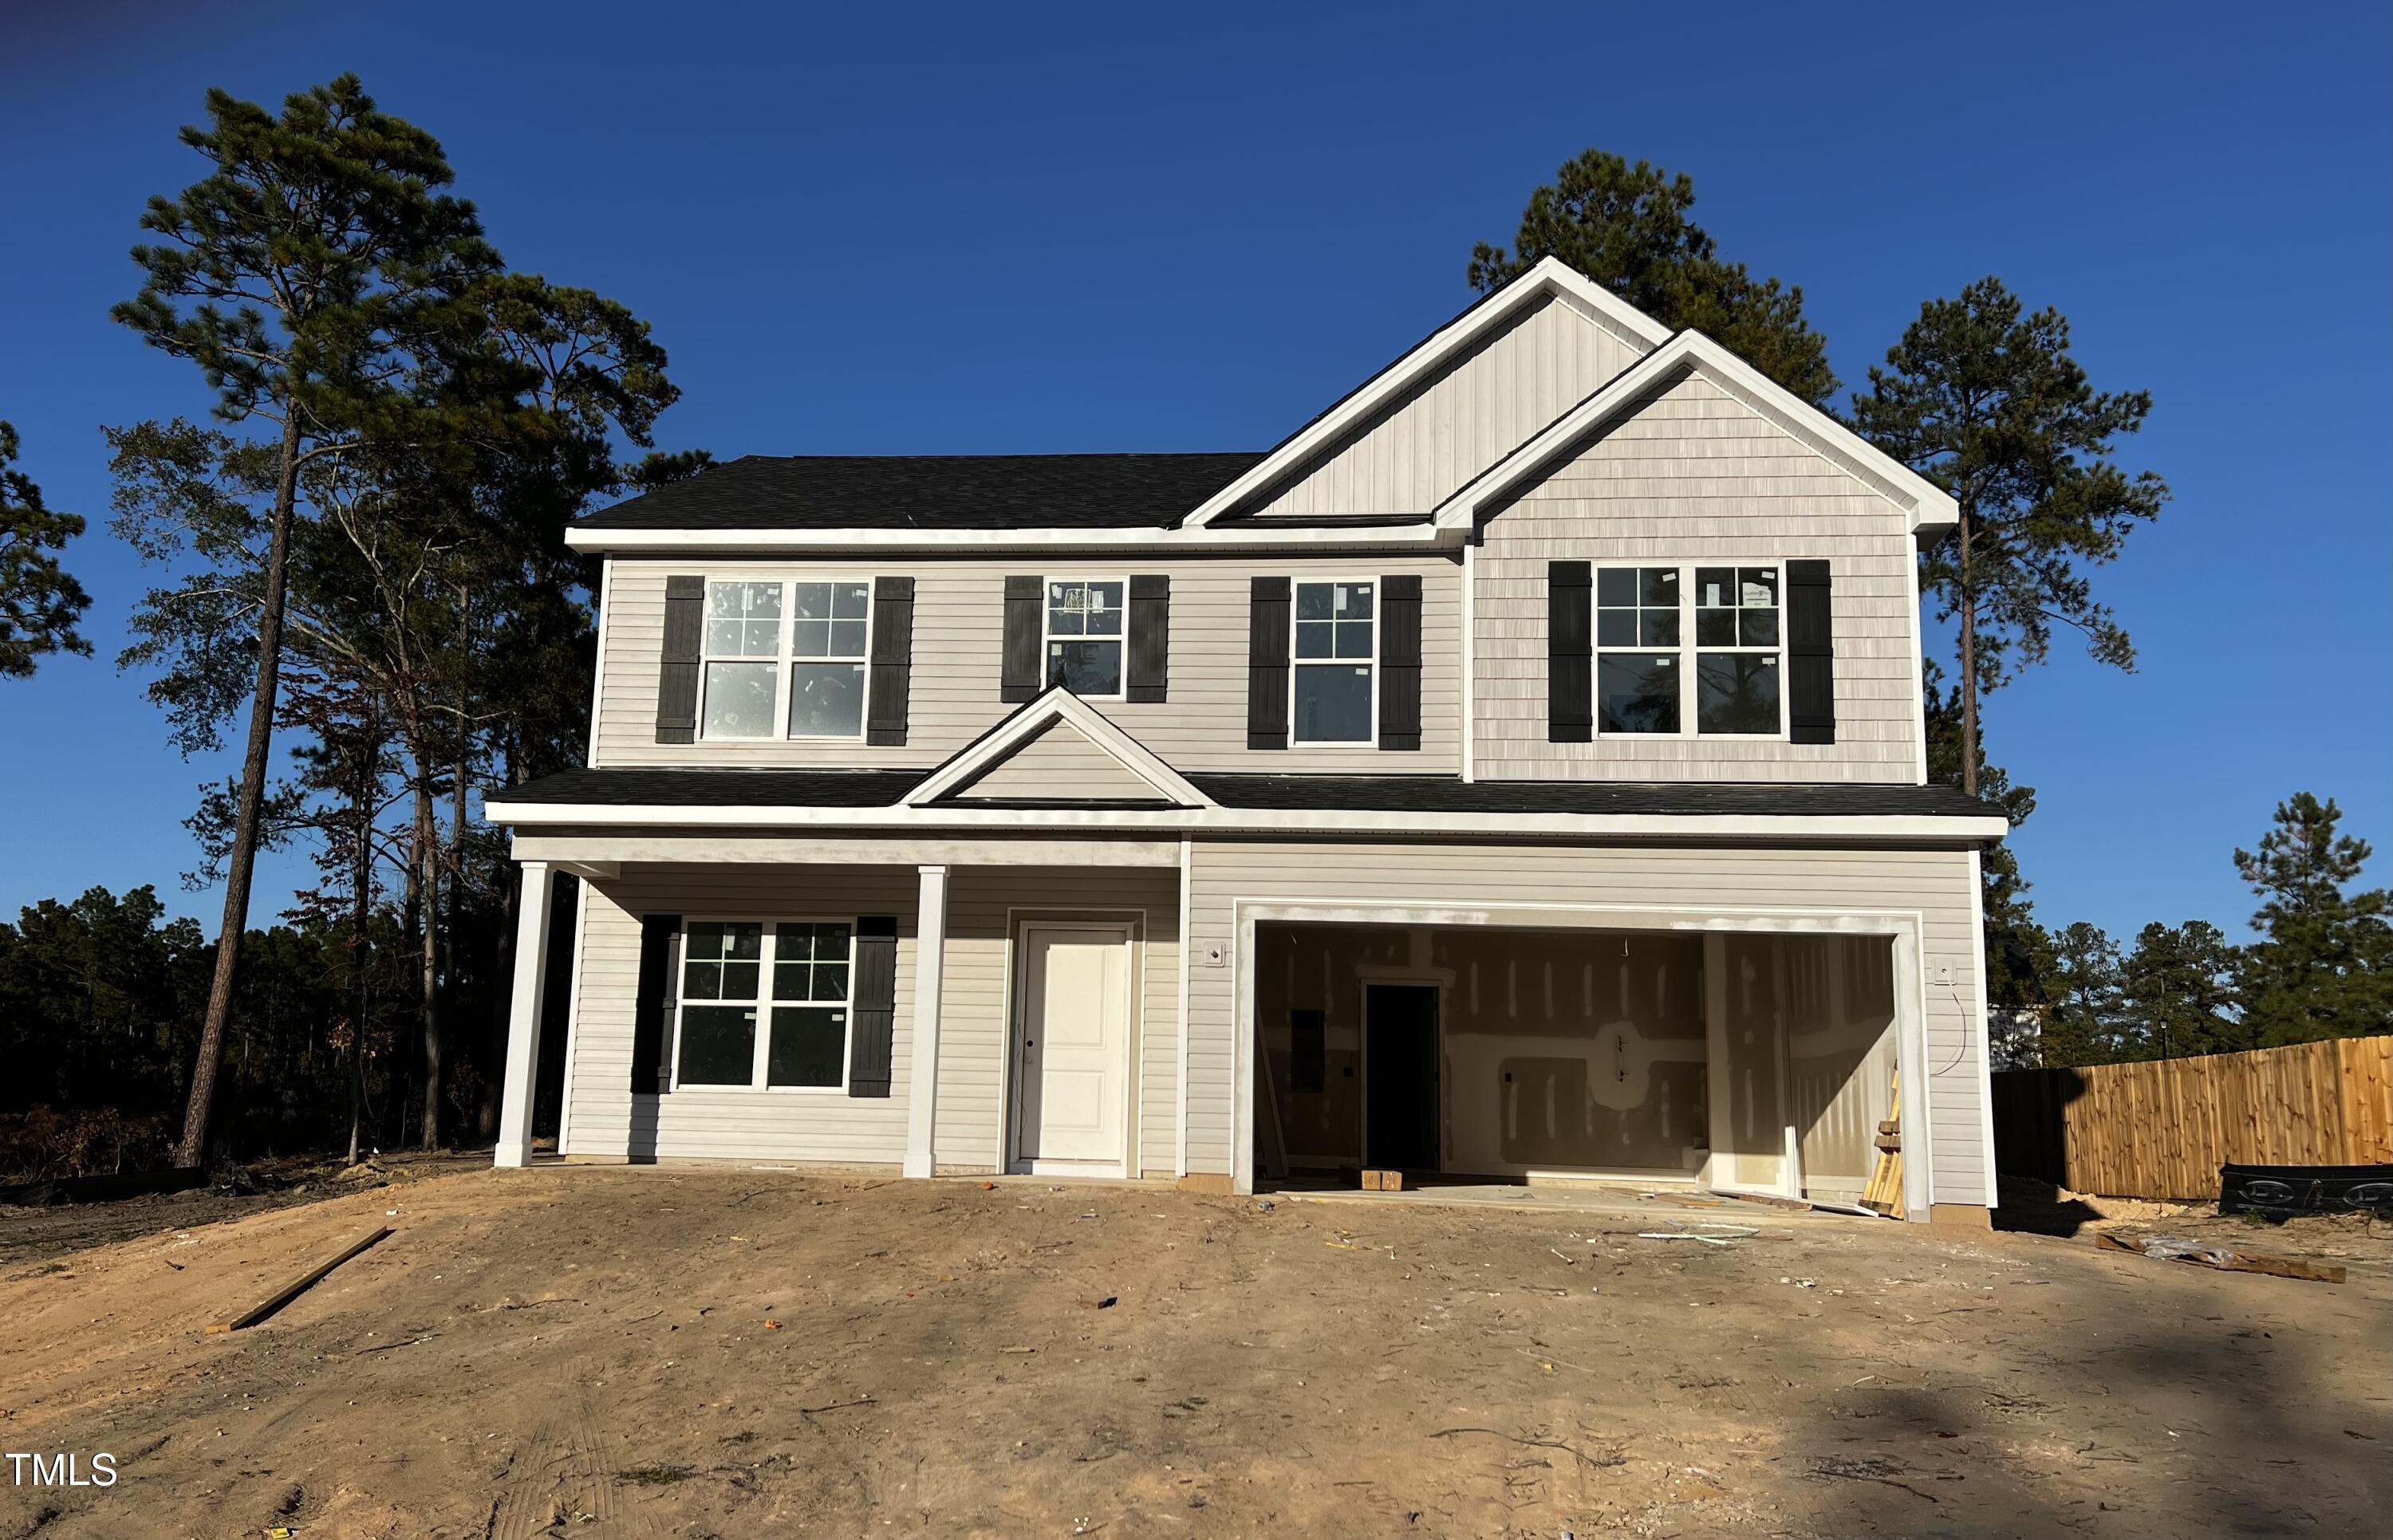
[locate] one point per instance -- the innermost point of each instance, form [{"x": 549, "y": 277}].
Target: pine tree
[
  {"x": 2324, "y": 967},
  {"x": 2180, "y": 991},
  {"x": 1987, "y": 402},
  {"x": 1626, "y": 226},
  {"x": 313, "y": 276},
  {"x": 2081, "y": 1022},
  {"x": 39, "y": 601}
]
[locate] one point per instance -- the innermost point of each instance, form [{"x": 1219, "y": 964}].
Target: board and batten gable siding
[
  {"x": 1410, "y": 457},
  {"x": 959, "y": 637},
  {"x": 1698, "y": 477},
  {"x": 976, "y": 1003},
  {"x": 1938, "y": 885},
  {"x": 720, "y": 1123},
  {"x": 975, "y": 1019},
  {"x": 1059, "y": 761}
]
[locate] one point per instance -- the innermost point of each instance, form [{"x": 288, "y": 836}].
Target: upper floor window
[
  {"x": 1084, "y": 636},
  {"x": 745, "y": 1023},
  {"x": 786, "y": 658},
  {"x": 1337, "y": 654},
  {"x": 1647, "y": 651}
]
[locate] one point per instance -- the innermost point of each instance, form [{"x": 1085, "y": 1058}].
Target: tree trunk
[
  {"x": 1969, "y": 591},
  {"x": 360, "y": 950},
  {"x": 241, "y": 861},
  {"x": 427, "y": 845}
]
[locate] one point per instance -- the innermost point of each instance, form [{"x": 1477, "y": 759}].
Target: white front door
[{"x": 1074, "y": 1052}]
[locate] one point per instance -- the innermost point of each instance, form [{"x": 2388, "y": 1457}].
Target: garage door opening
[{"x": 1760, "y": 1062}]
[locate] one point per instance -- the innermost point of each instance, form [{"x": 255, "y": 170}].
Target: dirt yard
[{"x": 737, "y": 1353}]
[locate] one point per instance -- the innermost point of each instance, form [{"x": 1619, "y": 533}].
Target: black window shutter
[
  {"x": 874, "y": 1000},
  {"x": 1150, "y": 637},
  {"x": 1570, "y": 652},
  {"x": 1811, "y": 654},
  {"x": 891, "y": 678},
  {"x": 1400, "y": 661},
  {"x": 1025, "y": 620},
  {"x": 677, "y": 660},
  {"x": 653, "y": 1006},
  {"x": 1268, "y": 639}
]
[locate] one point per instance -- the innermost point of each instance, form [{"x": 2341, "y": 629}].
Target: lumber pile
[{"x": 1883, "y": 1192}]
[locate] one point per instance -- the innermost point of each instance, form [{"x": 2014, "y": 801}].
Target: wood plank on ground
[{"x": 299, "y": 1286}]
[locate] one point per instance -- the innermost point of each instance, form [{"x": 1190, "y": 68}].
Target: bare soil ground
[{"x": 603, "y": 1352}]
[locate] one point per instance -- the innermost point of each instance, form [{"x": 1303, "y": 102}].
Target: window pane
[
  {"x": 743, "y": 942},
  {"x": 851, "y": 602},
  {"x": 826, "y": 699},
  {"x": 1716, "y": 628},
  {"x": 847, "y": 639},
  {"x": 790, "y": 980},
  {"x": 1657, "y": 627},
  {"x": 701, "y": 981},
  {"x": 1636, "y": 693},
  {"x": 1756, "y": 585},
  {"x": 1617, "y": 586},
  {"x": 1066, "y": 609},
  {"x": 1715, "y": 587},
  {"x": 722, "y": 637},
  {"x": 705, "y": 940},
  {"x": 1657, "y": 587},
  {"x": 740, "y": 700},
  {"x": 814, "y": 638},
  {"x": 718, "y": 1045},
  {"x": 1085, "y": 668},
  {"x": 1313, "y": 639},
  {"x": 1312, "y": 601},
  {"x": 1353, "y": 638},
  {"x": 830, "y": 981},
  {"x": 1105, "y": 609},
  {"x": 1616, "y": 628},
  {"x": 760, "y": 638},
  {"x": 814, "y": 601},
  {"x": 1758, "y": 628},
  {"x": 1333, "y": 704},
  {"x": 1353, "y": 602},
  {"x": 809, "y": 1047},
  {"x": 1736, "y": 693}
]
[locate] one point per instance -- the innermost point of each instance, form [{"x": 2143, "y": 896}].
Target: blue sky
[{"x": 984, "y": 229}]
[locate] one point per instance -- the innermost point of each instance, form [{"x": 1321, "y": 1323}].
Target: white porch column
[
  {"x": 523, "y": 1017},
  {"x": 930, "y": 958}
]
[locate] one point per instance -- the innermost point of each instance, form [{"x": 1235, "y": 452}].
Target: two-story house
[{"x": 1518, "y": 771}]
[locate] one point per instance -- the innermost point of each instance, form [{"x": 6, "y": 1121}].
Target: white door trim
[{"x": 1129, "y": 926}]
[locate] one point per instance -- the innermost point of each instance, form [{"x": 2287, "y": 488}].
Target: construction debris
[
  {"x": 299, "y": 1285},
  {"x": 1383, "y": 1181},
  {"x": 1708, "y": 1232},
  {"x": 1883, "y": 1192},
  {"x": 2173, "y": 1248}
]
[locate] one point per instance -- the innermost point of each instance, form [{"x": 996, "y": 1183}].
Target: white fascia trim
[
  {"x": 1057, "y": 707},
  {"x": 1927, "y": 504},
  {"x": 690, "y": 542},
  {"x": 1551, "y": 276},
  {"x": 1901, "y": 828}
]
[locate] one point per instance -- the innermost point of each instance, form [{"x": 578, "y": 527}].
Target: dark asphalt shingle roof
[
  {"x": 942, "y": 491},
  {"x": 866, "y": 788}
]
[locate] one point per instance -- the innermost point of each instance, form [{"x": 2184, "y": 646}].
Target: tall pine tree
[
  {"x": 2323, "y": 966},
  {"x": 40, "y": 601}
]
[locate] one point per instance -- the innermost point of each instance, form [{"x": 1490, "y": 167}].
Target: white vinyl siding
[
  {"x": 1462, "y": 419},
  {"x": 1057, "y": 762},
  {"x": 958, "y": 642},
  {"x": 1938, "y": 885},
  {"x": 1695, "y": 480}
]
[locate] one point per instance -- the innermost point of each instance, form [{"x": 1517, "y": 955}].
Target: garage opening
[{"x": 1754, "y": 1061}]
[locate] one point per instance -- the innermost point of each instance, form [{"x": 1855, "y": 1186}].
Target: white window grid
[
  {"x": 785, "y": 656},
  {"x": 1370, "y": 664},
  {"x": 1119, "y": 636},
  {"x": 763, "y": 1000},
  {"x": 1688, "y": 650}
]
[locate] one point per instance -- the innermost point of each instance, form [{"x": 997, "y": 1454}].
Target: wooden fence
[{"x": 2160, "y": 1129}]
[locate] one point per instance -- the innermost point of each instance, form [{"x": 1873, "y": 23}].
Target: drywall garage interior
[{"x": 1501, "y": 1053}]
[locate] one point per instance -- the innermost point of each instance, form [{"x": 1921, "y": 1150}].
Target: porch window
[
  {"x": 1659, "y": 636},
  {"x": 1084, "y": 636},
  {"x": 1336, "y": 643},
  {"x": 743, "y": 657},
  {"x": 791, "y": 977}
]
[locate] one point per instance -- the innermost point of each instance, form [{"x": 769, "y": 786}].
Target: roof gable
[
  {"x": 1551, "y": 288},
  {"x": 1057, "y": 748}
]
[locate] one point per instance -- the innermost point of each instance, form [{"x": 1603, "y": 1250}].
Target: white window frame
[
  {"x": 1379, "y": 617},
  {"x": 1688, "y": 650},
  {"x": 1047, "y": 638},
  {"x": 785, "y": 657},
  {"x": 764, "y": 1003}
]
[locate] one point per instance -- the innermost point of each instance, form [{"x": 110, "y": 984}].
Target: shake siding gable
[
  {"x": 1939, "y": 886},
  {"x": 959, "y": 634},
  {"x": 1697, "y": 478}
]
